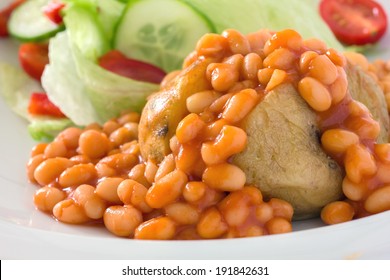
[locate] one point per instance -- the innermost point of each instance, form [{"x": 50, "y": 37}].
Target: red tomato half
[
  {"x": 354, "y": 22},
  {"x": 42, "y": 106},
  {"x": 118, "y": 63},
  {"x": 4, "y": 16},
  {"x": 33, "y": 58},
  {"x": 53, "y": 11}
]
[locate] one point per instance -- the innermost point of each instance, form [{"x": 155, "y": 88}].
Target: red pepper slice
[
  {"x": 42, "y": 106},
  {"x": 118, "y": 63},
  {"x": 53, "y": 11},
  {"x": 33, "y": 58}
]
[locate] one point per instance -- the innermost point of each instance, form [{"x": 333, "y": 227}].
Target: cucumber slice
[
  {"x": 160, "y": 32},
  {"x": 28, "y": 23}
]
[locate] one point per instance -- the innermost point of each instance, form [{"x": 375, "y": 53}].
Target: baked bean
[
  {"x": 315, "y": 45},
  {"x": 130, "y": 192},
  {"x": 110, "y": 126},
  {"x": 338, "y": 140},
  {"x": 182, "y": 213},
  {"x": 104, "y": 170},
  {"x": 255, "y": 231},
  {"x": 383, "y": 152},
  {"x": 322, "y": 69},
  {"x": 211, "y": 224},
  {"x": 354, "y": 191},
  {"x": 130, "y": 117},
  {"x": 174, "y": 145},
  {"x": 218, "y": 105},
  {"x": 241, "y": 85},
  {"x": 258, "y": 39},
  {"x": 83, "y": 193},
  {"x": 253, "y": 193},
  {"x": 287, "y": 38},
  {"x": 161, "y": 228},
  {"x": 32, "y": 164},
  {"x": 48, "y": 170},
  {"x": 187, "y": 158},
  {"x": 188, "y": 233},
  {"x": 364, "y": 126},
  {"x": 337, "y": 212},
  {"x": 224, "y": 177},
  {"x": 305, "y": 60},
  {"x": 150, "y": 171},
  {"x": 336, "y": 57},
  {"x": 191, "y": 58},
  {"x": 93, "y": 205},
  {"x": 338, "y": 90},
  {"x": 357, "y": 109},
  {"x": 194, "y": 191},
  {"x": 315, "y": 94},
  {"x": 166, "y": 166},
  {"x": 70, "y": 136},
  {"x": 54, "y": 149},
  {"x": 237, "y": 42},
  {"x": 210, "y": 45},
  {"x": 77, "y": 174},
  {"x": 189, "y": 128},
  {"x": 281, "y": 208},
  {"x": 121, "y": 135},
  {"x": 68, "y": 211},
  {"x": 264, "y": 213},
  {"x": 230, "y": 141},
  {"x": 120, "y": 162},
  {"x": 107, "y": 189},
  {"x": 38, "y": 149},
  {"x": 379, "y": 200},
  {"x": 199, "y": 101},
  {"x": 93, "y": 126},
  {"x": 213, "y": 129},
  {"x": 280, "y": 59},
  {"x": 167, "y": 189},
  {"x": 236, "y": 60},
  {"x": 77, "y": 159},
  {"x": 240, "y": 105},
  {"x": 223, "y": 76},
  {"x": 264, "y": 75},
  {"x": 137, "y": 173},
  {"x": 277, "y": 78},
  {"x": 122, "y": 220},
  {"x": 235, "y": 208},
  {"x": 46, "y": 197},
  {"x": 93, "y": 144},
  {"x": 359, "y": 162},
  {"x": 251, "y": 65},
  {"x": 278, "y": 225}
]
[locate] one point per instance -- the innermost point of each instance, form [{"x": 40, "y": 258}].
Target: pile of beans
[{"x": 97, "y": 174}]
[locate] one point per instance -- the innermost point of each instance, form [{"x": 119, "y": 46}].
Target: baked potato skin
[
  {"x": 164, "y": 110},
  {"x": 284, "y": 157},
  {"x": 364, "y": 89}
]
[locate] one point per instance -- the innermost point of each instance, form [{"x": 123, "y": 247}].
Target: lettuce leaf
[
  {"x": 250, "y": 16},
  {"x": 83, "y": 90}
]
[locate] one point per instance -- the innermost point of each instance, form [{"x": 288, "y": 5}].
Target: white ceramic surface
[{"x": 26, "y": 233}]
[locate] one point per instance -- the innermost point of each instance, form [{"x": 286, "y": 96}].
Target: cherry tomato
[
  {"x": 118, "y": 63},
  {"x": 5, "y": 15},
  {"x": 354, "y": 22},
  {"x": 33, "y": 58},
  {"x": 41, "y": 105},
  {"x": 53, "y": 11}
]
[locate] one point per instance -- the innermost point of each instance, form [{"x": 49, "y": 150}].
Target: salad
[{"x": 86, "y": 62}]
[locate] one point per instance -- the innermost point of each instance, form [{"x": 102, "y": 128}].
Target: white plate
[{"x": 26, "y": 233}]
